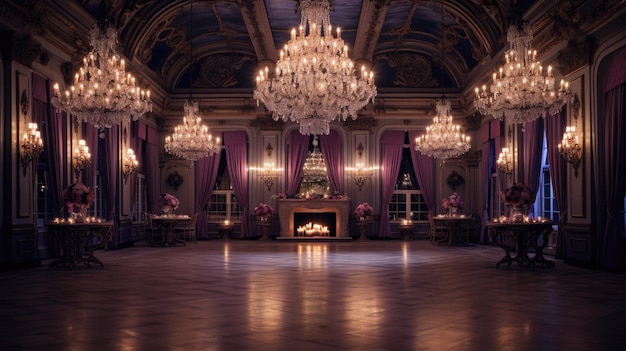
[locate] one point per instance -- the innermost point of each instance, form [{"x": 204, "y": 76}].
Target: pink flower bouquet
[
  {"x": 168, "y": 202},
  {"x": 263, "y": 210},
  {"x": 455, "y": 200},
  {"x": 77, "y": 194},
  {"x": 363, "y": 210},
  {"x": 518, "y": 195}
]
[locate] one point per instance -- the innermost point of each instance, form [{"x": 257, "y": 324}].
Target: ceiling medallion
[{"x": 315, "y": 80}]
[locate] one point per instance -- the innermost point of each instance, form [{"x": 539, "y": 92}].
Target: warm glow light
[
  {"x": 31, "y": 146},
  {"x": 360, "y": 174},
  {"x": 81, "y": 158},
  {"x": 443, "y": 139},
  {"x": 315, "y": 81},
  {"x": 268, "y": 174},
  {"x": 505, "y": 161},
  {"x": 191, "y": 140},
  {"x": 570, "y": 149},
  {"x": 129, "y": 164}
]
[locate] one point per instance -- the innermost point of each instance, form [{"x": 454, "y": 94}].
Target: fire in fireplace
[{"x": 320, "y": 223}]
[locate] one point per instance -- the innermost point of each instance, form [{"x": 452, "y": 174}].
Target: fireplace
[
  {"x": 315, "y": 223},
  {"x": 292, "y": 210}
]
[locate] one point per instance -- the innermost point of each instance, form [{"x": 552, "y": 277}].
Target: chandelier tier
[
  {"x": 191, "y": 139},
  {"x": 521, "y": 90},
  {"x": 315, "y": 80},
  {"x": 103, "y": 93},
  {"x": 314, "y": 170},
  {"x": 443, "y": 139}
]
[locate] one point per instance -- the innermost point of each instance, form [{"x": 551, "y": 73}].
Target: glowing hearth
[{"x": 311, "y": 229}]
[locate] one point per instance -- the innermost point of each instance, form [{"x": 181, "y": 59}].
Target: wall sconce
[
  {"x": 505, "y": 161},
  {"x": 360, "y": 174},
  {"x": 268, "y": 174},
  {"x": 81, "y": 158},
  {"x": 129, "y": 164},
  {"x": 570, "y": 149},
  {"x": 31, "y": 146}
]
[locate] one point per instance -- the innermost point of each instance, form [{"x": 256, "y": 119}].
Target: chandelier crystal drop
[
  {"x": 103, "y": 94},
  {"x": 315, "y": 80},
  {"x": 191, "y": 139},
  {"x": 443, "y": 139},
  {"x": 314, "y": 169},
  {"x": 521, "y": 90}
]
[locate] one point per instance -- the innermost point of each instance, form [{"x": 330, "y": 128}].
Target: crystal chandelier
[
  {"x": 81, "y": 158},
  {"x": 520, "y": 90},
  {"x": 443, "y": 139},
  {"x": 505, "y": 161},
  {"x": 191, "y": 139},
  {"x": 315, "y": 80},
  {"x": 31, "y": 146},
  {"x": 129, "y": 164},
  {"x": 314, "y": 173},
  {"x": 103, "y": 93},
  {"x": 570, "y": 149}
]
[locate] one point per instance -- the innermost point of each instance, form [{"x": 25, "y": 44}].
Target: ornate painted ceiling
[{"x": 400, "y": 39}]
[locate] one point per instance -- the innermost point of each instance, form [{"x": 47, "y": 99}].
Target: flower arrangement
[
  {"x": 453, "y": 201},
  {"x": 77, "y": 194},
  {"x": 518, "y": 195},
  {"x": 168, "y": 202},
  {"x": 363, "y": 210},
  {"x": 263, "y": 210},
  {"x": 333, "y": 195}
]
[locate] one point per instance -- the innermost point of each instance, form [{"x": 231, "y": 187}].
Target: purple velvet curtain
[
  {"x": 330, "y": 146},
  {"x": 298, "y": 150},
  {"x": 88, "y": 175},
  {"x": 611, "y": 168},
  {"x": 206, "y": 175},
  {"x": 485, "y": 173},
  {"x": 424, "y": 167},
  {"x": 391, "y": 158},
  {"x": 533, "y": 144},
  {"x": 110, "y": 176},
  {"x": 152, "y": 176},
  {"x": 555, "y": 126},
  {"x": 236, "y": 154}
]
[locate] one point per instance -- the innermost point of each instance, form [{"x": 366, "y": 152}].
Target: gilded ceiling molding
[
  {"x": 144, "y": 53},
  {"x": 576, "y": 55},
  {"x": 411, "y": 70},
  {"x": 250, "y": 13},
  {"x": 364, "y": 43},
  {"x": 218, "y": 71},
  {"x": 361, "y": 123}
]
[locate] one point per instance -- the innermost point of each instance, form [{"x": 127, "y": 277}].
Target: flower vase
[
  {"x": 452, "y": 211},
  {"x": 517, "y": 214},
  {"x": 166, "y": 211},
  {"x": 81, "y": 215}
]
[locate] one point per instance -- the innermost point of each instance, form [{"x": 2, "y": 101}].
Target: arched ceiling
[{"x": 400, "y": 39}]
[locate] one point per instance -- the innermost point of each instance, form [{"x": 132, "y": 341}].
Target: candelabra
[
  {"x": 191, "y": 140},
  {"x": 268, "y": 174},
  {"x": 520, "y": 90},
  {"x": 570, "y": 149},
  {"x": 505, "y": 161},
  {"x": 315, "y": 81},
  {"x": 103, "y": 93},
  {"x": 31, "y": 146},
  {"x": 129, "y": 164},
  {"x": 360, "y": 174},
  {"x": 443, "y": 139},
  {"x": 81, "y": 158}
]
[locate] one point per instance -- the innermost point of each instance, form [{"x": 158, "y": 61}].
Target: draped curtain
[
  {"x": 206, "y": 174},
  {"x": 555, "y": 126},
  {"x": 152, "y": 176},
  {"x": 610, "y": 167},
  {"x": 298, "y": 150},
  {"x": 424, "y": 167},
  {"x": 110, "y": 176},
  {"x": 391, "y": 158},
  {"x": 533, "y": 144},
  {"x": 330, "y": 146},
  {"x": 236, "y": 153}
]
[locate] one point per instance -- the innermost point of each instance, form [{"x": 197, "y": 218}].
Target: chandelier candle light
[
  {"x": 81, "y": 158},
  {"x": 443, "y": 139},
  {"x": 191, "y": 140},
  {"x": 103, "y": 93},
  {"x": 315, "y": 80},
  {"x": 570, "y": 149},
  {"x": 129, "y": 164},
  {"x": 31, "y": 146},
  {"x": 268, "y": 174},
  {"x": 360, "y": 174},
  {"x": 521, "y": 90},
  {"x": 505, "y": 161}
]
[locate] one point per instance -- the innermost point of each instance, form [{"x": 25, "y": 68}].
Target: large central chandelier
[
  {"x": 103, "y": 93},
  {"x": 315, "y": 80},
  {"x": 521, "y": 90},
  {"x": 191, "y": 139},
  {"x": 443, "y": 139}
]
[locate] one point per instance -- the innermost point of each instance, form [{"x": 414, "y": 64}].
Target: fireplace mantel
[{"x": 287, "y": 207}]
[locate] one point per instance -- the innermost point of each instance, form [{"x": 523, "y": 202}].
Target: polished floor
[{"x": 362, "y": 295}]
